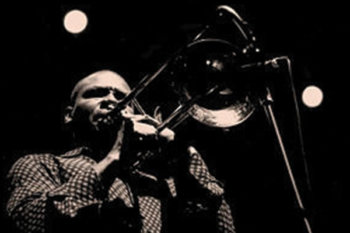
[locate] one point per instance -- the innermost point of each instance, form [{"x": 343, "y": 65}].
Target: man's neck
[{"x": 100, "y": 145}]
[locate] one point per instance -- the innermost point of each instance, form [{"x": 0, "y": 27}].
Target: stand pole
[{"x": 267, "y": 104}]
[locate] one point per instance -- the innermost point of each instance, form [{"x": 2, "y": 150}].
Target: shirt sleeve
[
  {"x": 205, "y": 194},
  {"x": 35, "y": 187}
]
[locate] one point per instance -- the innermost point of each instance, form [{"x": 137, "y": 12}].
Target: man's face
[{"x": 96, "y": 96}]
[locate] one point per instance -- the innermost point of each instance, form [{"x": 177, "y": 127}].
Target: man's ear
[{"x": 68, "y": 115}]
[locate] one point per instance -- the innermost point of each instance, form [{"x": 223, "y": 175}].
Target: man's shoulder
[
  {"x": 48, "y": 157},
  {"x": 29, "y": 164},
  {"x": 34, "y": 158},
  {"x": 32, "y": 163}
]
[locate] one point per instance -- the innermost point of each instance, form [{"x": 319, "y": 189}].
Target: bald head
[
  {"x": 94, "y": 97},
  {"x": 102, "y": 78}
]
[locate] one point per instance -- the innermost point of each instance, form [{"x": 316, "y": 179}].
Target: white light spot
[
  {"x": 75, "y": 21},
  {"x": 312, "y": 96}
]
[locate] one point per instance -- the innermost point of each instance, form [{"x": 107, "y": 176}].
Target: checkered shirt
[{"x": 46, "y": 186}]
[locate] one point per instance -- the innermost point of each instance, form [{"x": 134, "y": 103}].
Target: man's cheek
[
  {"x": 81, "y": 114},
  {"x": 86, "y": 107}
]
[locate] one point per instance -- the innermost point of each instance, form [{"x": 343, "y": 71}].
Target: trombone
[
  {"x": 211, "y": 67},
  {"x": 205, "y": 69}
]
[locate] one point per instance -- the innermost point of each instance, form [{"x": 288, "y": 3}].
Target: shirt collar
[{"x": 77, "y": 151}]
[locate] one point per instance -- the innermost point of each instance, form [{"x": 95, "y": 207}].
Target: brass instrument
[
  {"x": 205, "y": 74},
  {"x": 212, "y": 78}
]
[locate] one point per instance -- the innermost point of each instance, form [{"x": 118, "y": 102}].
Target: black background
[{"x": 41, "y": 62}]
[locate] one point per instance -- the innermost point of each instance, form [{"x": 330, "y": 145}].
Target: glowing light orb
[
  {"x": 312, "y": 96},
  {"x": 75, "y": 21}
]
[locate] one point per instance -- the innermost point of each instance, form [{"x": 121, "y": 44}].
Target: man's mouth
[{"x": 104, "y": 120}]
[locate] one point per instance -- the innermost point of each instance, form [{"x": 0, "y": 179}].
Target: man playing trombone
[{"x": 105, "y": 184}]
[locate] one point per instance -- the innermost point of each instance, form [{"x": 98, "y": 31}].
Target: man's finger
[
  {"x": 144, "y": 129},
  {"x": 168, "y": 134},
  {"x": 140, "y": 118}
]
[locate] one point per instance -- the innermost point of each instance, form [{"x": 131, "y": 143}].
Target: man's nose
[{"x": 109, "y": 101}]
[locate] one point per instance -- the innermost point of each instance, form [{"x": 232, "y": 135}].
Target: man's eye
[
  {"x": 95, "y": 93},
  {"x": 119, "y": 95}
]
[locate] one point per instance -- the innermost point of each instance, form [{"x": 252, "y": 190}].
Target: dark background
[{"x": 42, "y": 61}]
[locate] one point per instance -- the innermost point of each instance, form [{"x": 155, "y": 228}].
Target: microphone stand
[{"x": 266, "y": 102}]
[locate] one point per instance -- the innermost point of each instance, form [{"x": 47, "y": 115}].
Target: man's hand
[
  {"x": 141, "y": 132},
  {"x": 145, "y": 127}
]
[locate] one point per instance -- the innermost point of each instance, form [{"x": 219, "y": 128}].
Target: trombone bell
[{"x": 209, "y": 63}]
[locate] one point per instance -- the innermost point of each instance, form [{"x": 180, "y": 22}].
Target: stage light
[
  {"x": 75, "y": 21},
  {"x": 312, "y": 96}
]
